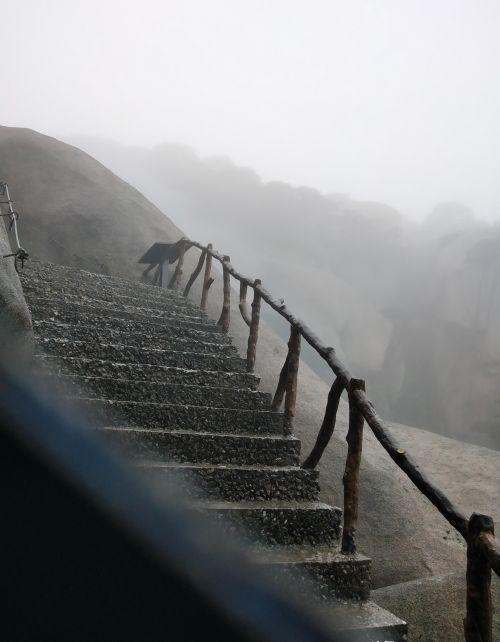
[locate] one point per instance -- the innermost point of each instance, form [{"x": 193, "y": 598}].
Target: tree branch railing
[{"x": 483, "y": 550}]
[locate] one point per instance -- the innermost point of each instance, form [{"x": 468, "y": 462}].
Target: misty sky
[{"x": 390, "y": 100}]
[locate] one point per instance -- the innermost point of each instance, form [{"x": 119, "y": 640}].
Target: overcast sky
[{"x": 390, "y": 100}]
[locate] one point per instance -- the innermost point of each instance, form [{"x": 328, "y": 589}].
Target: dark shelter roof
[{"x": 161, "y": 252}]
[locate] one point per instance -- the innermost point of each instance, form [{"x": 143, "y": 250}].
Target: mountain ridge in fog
[{"x": 411, "y": 307}]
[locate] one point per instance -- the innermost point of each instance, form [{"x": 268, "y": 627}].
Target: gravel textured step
[
  {"x": 158, "y": 393},
  {"x": 201, "y": 447},
  {"x": 99, "y": 308},
  {"x": 111, "y": 327},
  {"x": 152, "y": 297},
  {"x": 175, "y": 417},
  {"x": 75, "y": 317},
  {"x": 150, "y": 307},
  {"x": 148, "y": 341},
  {"x": 319, "y": 572},
  {"x": 235, "y": 483},
  {"x": 282, "y": 523},
  {"x": 59, "y": 275},
  {"x": 130, "y": 354},
  {"x": 153, "y": 373}
]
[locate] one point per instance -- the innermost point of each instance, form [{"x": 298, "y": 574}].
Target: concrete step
[
  {"x": 230, "y": 483},
  {"x": 75, "y": 317},
  {"x": 149, "y": 341},
  {"x": 118, "y": 353},
  {"x": 119, "y": 301},
  {"x": 185, "y": 446},
  {"x": 60, "y": 275},
  {"x": 317, "y": 573},
  {"x": 158, "y": 392},
  {"x": 152, "y": 373},
  {"x": 281, "y": 523},
  {"x": 126, "y": 327},
  {"x": 365, "y": 621},
  {"x": 40, "y": 304},
  {"x": 104, "y": 412},
  {"x": 103, "y": 292}
]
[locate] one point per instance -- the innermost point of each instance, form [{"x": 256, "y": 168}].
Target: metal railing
[
  {"x": 20, "y": 255},
  {"x": 483, "y": 550}
]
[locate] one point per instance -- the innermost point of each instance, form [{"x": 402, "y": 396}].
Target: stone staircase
[{"x": 159, "y": 380}]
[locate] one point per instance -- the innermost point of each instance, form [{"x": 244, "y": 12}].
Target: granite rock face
[
  {"x": 16, "y": 332},
  {"x": 162, "y": 384}
]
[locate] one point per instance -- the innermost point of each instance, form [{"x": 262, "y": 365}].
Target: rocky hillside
[{"x": 74, "y": 210}]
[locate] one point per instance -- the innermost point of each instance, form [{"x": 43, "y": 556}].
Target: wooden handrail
[
  {"x": 291, "y": 380},
  {"x": 226, "y": 305},
  {"x": 253, "y": 335},
  {"x": 350, "y": 480},
  {"x": 243, "y": 304},
  {"x": 482, "y": 545},
  {"x": 327, "y": 427},
  {"x": 183, "y": 246}
]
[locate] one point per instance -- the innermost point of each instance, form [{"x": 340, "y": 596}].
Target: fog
[
  {"x": 394, "y": 101},
  {"x": 347, "y": 153},
  {"x": 414, "y": 308}
]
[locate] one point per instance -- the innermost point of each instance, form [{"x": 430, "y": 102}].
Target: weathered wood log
[
  {"x": 404, "y": 460},
  {"x": 279, "y": 395},
  {"x": 399, "y": 455},
  {"x": 223, "y": 321},
  {"x": 351, "y": 473},
  {"x": 174, "y": 281},
  {"x": 207, "y": 279},
  {"x": 254, "y": 329},
  {"x": 243, "y": 304},
  {"x": 478, "y": 623},
  {"x": 491, "y": 550},
  {"x": 196, "y": 271},
  {"x": 291, "y": 380},
  {"x": 327, "y": 427}
]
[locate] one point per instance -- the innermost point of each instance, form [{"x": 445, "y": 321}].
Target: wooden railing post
[
  {"x": 351, "y": 473},
  {"x": 478, "y": 623},
  {"x": 207, "y": 279},
  {"x": 327, "y": 427},
  {"x": 223, "y": 321},
  {"x": 243, "y": 303},
  {"x": 291, "y": 380},
  {"x": 254, "y": 328},
  {"x": 196, "y": 271},
  {"x": 174, "y": 281}
]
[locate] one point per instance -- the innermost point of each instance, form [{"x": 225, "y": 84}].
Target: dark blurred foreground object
[{"x": 87, "y": 553}]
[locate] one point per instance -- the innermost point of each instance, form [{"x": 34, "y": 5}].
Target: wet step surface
[
  {"x": 105, "y": 412},
  {"x": 158, "y": 392},
  {"x": 205, "y": 447},
  {"x": 122, "y": 353},
  {"x": 60, "y": 366},
  {"x": 235, "y": 483}
]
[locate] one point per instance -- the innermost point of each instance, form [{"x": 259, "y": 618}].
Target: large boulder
[
  {"x": 74, "y": 210},
  {"x": 16, "y": 332}
]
